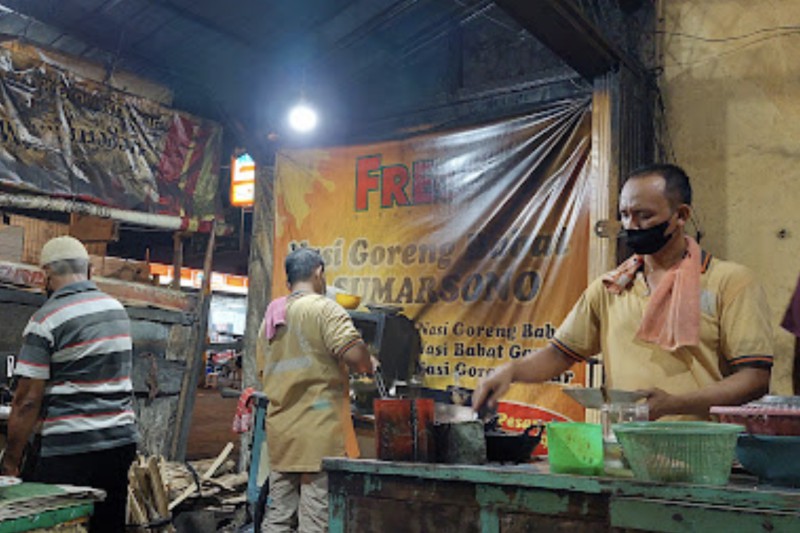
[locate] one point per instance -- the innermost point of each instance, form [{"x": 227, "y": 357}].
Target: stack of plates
[{"x": 593, "y": 398}]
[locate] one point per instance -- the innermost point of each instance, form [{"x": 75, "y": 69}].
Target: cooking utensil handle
[
  {"x": 538, "y": 433},
  {"x": 380, "y": 384}
]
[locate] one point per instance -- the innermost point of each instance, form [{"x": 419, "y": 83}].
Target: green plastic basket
[{"x": 688, "y": 452}]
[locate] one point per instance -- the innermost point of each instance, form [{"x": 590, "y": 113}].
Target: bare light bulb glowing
[{"x": 302, "y": 118}]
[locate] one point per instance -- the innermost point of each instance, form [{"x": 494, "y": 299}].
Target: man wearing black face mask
[{"x": 689, "y": 330}]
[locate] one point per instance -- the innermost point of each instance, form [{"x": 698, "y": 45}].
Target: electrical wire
[
  {"x": 729, "y": 52},
  {"x": 667, "y": 145},
  {"x": 482, "y": 13},
  {"x": 783, "y": 29}
]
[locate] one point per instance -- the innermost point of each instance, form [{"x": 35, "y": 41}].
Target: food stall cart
[
  {"x": 40, "y": 507},
  {"x": 368, "y": 495}
]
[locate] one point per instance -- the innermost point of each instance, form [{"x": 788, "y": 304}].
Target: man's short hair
[
  {"x": 65, "y": 267},
  {"x": 301, "y": 263},
  {"x": 676, "y": 181}
]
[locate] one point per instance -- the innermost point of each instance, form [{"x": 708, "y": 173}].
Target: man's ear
[{"x": 684, "y": 214}]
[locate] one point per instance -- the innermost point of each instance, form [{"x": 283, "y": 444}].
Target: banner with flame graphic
[{"x": 480, "y": 236}]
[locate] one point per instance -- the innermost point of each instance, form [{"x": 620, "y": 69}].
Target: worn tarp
[
  {"x": 70, "y": 137},
  {"x": 481, "y": 235}
]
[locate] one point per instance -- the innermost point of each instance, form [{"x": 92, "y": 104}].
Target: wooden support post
[
  {"x": 260, "y": 279},
  {"x": 194, "y": 360},
  {"x": 604, "y": 195},
  {"x": 177, "y": 260}
]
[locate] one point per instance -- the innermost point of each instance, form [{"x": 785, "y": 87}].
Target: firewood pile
[{"x": 157, "y": 489}]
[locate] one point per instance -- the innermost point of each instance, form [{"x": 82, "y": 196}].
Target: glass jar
[{"x": 614, "y": 460}]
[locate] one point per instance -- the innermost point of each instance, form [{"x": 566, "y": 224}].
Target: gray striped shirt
[{"x": 80, "y": 343}]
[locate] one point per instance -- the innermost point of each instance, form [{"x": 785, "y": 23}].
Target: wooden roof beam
[{"x": 561, "y": 26}]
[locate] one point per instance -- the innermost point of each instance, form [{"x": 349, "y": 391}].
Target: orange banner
[{"x": 480, "y": 235}]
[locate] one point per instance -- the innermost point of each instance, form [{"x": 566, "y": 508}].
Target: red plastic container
[
  {"x": 761, "y": 420},
  {"x": 404, "y": 429}
]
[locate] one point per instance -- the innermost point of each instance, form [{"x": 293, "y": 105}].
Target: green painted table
[
  {"x": 36, "y": 506},
  {"x": 372, "y": 496}
]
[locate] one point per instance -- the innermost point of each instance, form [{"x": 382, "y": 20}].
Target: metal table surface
[{"x": 369, "y": 495}]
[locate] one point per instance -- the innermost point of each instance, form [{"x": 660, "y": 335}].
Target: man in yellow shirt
[
  {"x": 683, "y": 367},
  {"x": 306, "y": 381}
]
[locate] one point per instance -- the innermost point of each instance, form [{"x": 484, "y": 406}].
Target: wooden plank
[
  {"x": 120, "y": 268},
  {"x": 208, "y": 474},
  {"x": 157, "y": 487},
  {"x": 676, "y": 517},
  {"x": 12, "y": 240},
  {"x": 87, "y": 228},
  {"x": 535, "y": 476},
  {"x": 128, "y": 293},
  {"x": 145, "y": 295},
  {"x": 195, "y": 357},
  {"x": 142, "y": 488},
  {"x": 37, "y": 233},
  {"x": 135, "y": 510},
  {"x": 162, "y": 316}
]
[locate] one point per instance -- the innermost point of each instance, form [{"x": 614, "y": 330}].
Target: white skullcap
[{"x": 62, "y": 248}]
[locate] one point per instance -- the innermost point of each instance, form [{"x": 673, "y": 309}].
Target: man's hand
[
  {"x": 491, "y": 388},
  {"x": 740, "y": 387},
  {"x": 661, "y": 403},
  {"x": 541, "y": 365},
  {"x": 25, "y": 408},
  {"x": 358, "y": 359},
  {"x": 9, "y": 468}
]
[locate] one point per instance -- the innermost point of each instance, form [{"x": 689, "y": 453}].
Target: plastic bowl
[
  {"x": 575, "y": 448},
  {"x": 348, "y": 301},
  {"x": 688, "y": 452},
  {"x": 772, "y": 458}
]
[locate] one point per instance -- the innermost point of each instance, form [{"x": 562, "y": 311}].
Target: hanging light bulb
[{"x": 302, "y": 117}]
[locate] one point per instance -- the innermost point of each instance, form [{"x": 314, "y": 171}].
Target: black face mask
[{"x": 647, "y": 241}]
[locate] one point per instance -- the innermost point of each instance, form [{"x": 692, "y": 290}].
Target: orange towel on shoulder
[{"x": 672, "y": 317}]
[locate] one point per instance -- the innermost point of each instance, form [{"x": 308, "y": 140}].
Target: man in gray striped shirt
[{"x": 74, "y": 373}]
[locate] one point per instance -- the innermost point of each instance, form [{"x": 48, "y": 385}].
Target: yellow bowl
[{"x": 348, "y": 301}]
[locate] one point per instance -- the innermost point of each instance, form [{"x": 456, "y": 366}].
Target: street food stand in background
[{"x": 222, "y": 359}]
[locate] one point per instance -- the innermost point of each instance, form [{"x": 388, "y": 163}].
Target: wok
[{"x": 507, "y": 447}]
